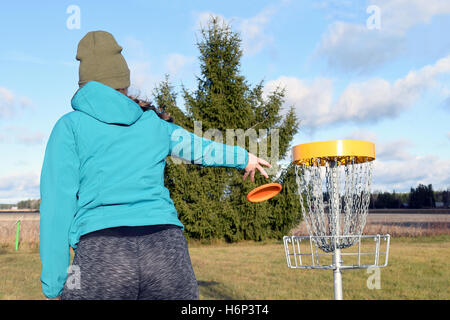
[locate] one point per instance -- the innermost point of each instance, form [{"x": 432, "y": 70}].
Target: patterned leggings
[{"x": 134, "y": 263}]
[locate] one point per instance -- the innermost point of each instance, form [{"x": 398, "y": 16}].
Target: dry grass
[
  {"x": 417, "y": 270},
  {"x": 411, "y": 225},
  {"x": 29, "y": 228},
  {"x": 400, "y": 225},
  {"x": 397, "y": 225}
]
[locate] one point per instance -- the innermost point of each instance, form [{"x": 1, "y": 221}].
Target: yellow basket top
[{"x": 342, "y": 150}]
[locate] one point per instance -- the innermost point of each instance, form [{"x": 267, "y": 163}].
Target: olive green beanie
[{"x": 101, "y": 60}]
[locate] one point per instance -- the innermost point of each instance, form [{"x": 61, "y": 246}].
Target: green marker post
[{"x": 17, "y": 234}]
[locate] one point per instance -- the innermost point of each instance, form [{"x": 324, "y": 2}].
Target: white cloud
[
  {"x": 354, "y": 47},
  {"x": 22, "y": 163},
  {"x": 394, "y": 150},
  {"x": 21, "y": 135},
  {"x": 25, "y": 57},
  {"x": 202, "y": 18},
  {"x": 10, "y": 103},
  {"x": 175, "y": 62},
  {"x": 398, "y": 16},
  {"x": 7, "y": 95},
  {"x": 19, "y": 186},
  {"x": 376, "y": 98},
  {"x": 396, "y": 168},
  {"x": 253, "y": 30},
  {"x": 133, "y": 48},
  {"x": 340, "y": 9},
  {"x": 446, "y": 103},
  {"x": 6, "y": 102},
  {"x": 143, "y": 78},
  {"x": 312, "y": 100},
  {"x": 30, "y": 137},
  {"x": 362, "y": 134},
  {"x": 347, "y": 46},
  {"x": 360, "y": 102},
  {"x": 404, "y": 174}
]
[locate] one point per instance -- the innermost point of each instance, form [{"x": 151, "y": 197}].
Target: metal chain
[{"x": 347, "y": 188}]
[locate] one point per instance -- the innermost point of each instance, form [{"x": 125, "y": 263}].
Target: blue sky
[{"x": 348, "y": 76}]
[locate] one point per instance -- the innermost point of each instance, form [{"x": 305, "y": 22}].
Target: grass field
[{"x": 418, "y": 269}]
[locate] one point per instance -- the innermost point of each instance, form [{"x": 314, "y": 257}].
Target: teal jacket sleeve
[
  {"x": 208, "y": 153},
  {"x": 58, "y": 187}
]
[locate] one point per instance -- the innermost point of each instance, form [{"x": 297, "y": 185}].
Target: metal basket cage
[{"x": 303, "y": 252}]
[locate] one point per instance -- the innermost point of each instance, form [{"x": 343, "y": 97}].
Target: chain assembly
[{"x": 335, "y": 198}]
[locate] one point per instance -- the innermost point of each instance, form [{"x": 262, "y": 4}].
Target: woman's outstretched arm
[{"x": 198, "y": 150}]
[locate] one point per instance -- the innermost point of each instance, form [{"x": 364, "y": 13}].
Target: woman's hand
[{"x": 255, "y": 163}]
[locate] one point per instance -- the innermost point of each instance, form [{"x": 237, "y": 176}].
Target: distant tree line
[
  {"x": 24, "y": 204},
  {"x": 6, "y": 205},
  {"x": 29, "y": 204},
  {"x": 421, "y": 197},
  {"x": 387, "y": 200}
]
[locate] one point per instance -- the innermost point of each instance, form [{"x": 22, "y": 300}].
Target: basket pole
[
  {"x": 337, "y": 275},
  {"x": 335, "y": 210}
]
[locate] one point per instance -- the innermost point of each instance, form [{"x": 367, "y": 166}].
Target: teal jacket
[{"x": 104, "y": 167}]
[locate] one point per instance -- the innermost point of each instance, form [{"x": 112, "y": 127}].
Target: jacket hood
[{"x": 106, "y": 104}]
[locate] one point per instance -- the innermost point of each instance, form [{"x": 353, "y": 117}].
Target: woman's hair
[{"x": 147, "y": 105}]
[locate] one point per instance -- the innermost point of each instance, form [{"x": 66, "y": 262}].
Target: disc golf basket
[{"x": 333, "y": 179}]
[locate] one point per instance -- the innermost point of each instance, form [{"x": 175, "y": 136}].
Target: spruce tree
[{"x": 211, "y": 202}]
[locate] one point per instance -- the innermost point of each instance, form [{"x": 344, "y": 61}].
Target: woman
[{"x": 103, "y": 194}]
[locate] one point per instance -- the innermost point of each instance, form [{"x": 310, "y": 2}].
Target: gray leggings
[{"x": 143, "y": 263}]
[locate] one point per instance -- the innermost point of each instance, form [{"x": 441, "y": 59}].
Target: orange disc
[{"x": 264, "y": 192}]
